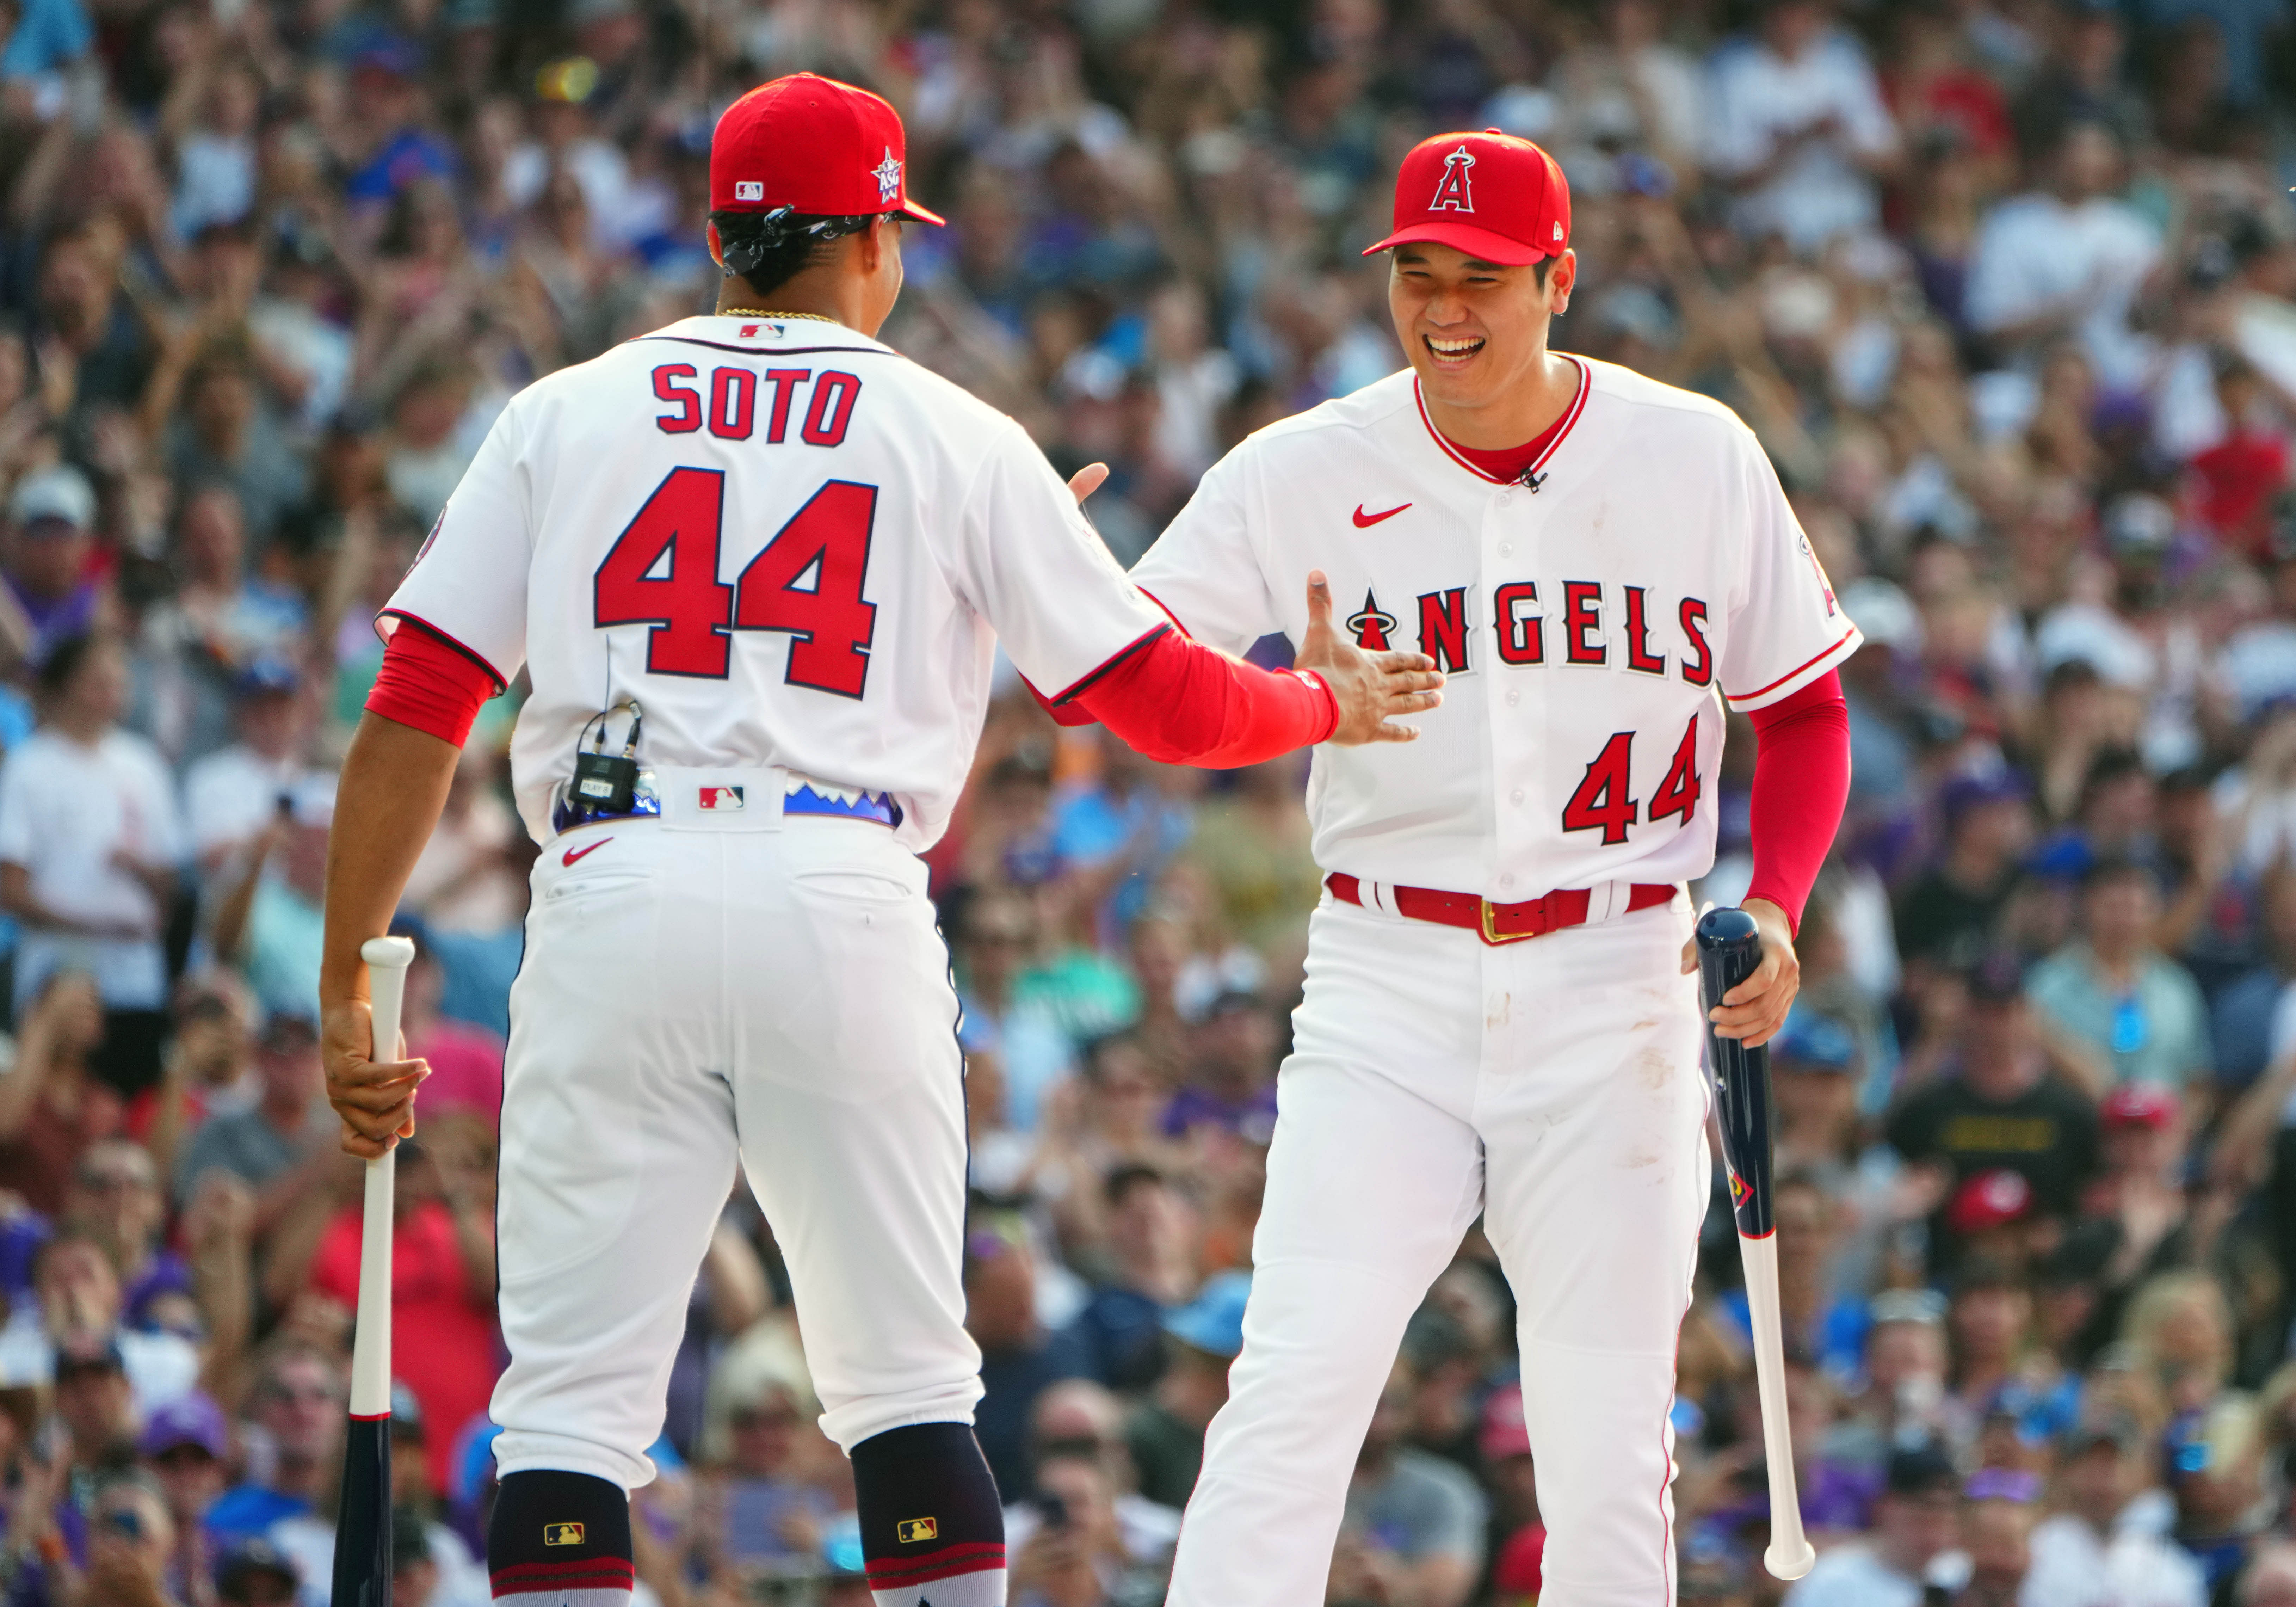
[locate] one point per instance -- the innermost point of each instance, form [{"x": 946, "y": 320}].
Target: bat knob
[
  {"x": 1789, "y": 1565},
  {"x": 387, "y": 951},
  {"x": 1726, "y": 928}
]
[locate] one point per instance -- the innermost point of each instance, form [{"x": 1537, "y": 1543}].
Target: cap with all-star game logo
[
  {"x": 1497, "y": 198},
  {"x": 813, "y": 145}
]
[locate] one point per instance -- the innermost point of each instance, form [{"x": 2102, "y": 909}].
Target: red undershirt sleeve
[
  {"x": 1176, "y": 700},
  {"x": 430, "y": 683},
  {"x": 1801, "y": 781}
]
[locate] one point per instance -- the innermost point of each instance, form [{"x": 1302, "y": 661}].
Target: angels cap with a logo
[
  {"x": 815, "y": 145},
  {"x": 1497, "y": 198}
]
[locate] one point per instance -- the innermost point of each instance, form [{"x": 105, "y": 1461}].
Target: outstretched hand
[{"x": 1371, "y": 687}]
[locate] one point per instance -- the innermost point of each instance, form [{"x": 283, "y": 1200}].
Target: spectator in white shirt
[
  {"x": 1797, "y": 125},
  {"x": 79, "y": 1303},
  {"x": 89, "y": 839},
  {"x": 232, "y": 793},
  {"x": 2067, "y": 261},
  {"x": 1917, "y": 1521},
  {"x": 2107, "y": 1548}
]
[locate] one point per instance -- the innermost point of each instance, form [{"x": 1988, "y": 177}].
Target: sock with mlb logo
[
  {"x": 931, "y": 1526},
  {"x": 560, "y": 1540}
]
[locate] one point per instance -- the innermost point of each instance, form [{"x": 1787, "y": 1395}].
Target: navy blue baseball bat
[{"x": 1729, "y": 951}]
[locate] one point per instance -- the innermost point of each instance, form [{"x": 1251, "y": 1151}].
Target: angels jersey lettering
[
  {"x": 789, "y": 544},
  {"x": 1593, "y": 629}
]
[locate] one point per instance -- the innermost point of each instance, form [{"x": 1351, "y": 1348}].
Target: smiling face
[{"x": 1475, "y": 331}]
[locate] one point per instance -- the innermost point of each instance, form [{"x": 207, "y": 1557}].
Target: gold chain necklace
[{"x": 759, "y": 312}]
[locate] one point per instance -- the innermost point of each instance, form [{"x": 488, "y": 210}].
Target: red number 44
[
  {"x": 1602, "y": 802},
  {"x": 662, "y": 571}
]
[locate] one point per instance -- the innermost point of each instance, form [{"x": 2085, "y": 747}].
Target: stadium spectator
[
  {"x": 2102, "y": 1545},
  {"x": 52, "y": 1105},
  {"x": 1150, "y": 1270},
  {"x": 2123, "y": 1010},
  {"x": 297, "y": 1404},
  {"x": 282, "y": 1143},
  {"x": 1167, "y": 1431},
  {"x": 185, "y": 1445},
  {"x": 1419, "y": 1510},
  {"x": 89, "y": 841},
  {"x": 50, "y": 595},
  {"x": 2001, "y": 1108},
  {"x": 1019, "y": 1359},
  {"x": 1917, "y": 1519},
  {"x": 78, "y": 1304}
]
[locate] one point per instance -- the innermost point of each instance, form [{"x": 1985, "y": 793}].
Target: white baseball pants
[
  {"x": 1554, "y": 1087},
  {"x": 700, "y": 989}
]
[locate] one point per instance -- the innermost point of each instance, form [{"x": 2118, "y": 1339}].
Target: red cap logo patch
[{"x": 1453, "y": 195}]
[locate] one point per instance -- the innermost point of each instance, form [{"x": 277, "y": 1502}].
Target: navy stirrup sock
[{"x": 931, "y": 1525}]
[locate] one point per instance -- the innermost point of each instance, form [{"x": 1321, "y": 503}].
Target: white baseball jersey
[
  {"x": 792, "y": 545},
  {"x": 1591, "y": 628}
]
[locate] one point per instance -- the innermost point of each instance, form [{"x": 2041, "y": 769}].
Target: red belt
[{"x": 1496, "y": 923}]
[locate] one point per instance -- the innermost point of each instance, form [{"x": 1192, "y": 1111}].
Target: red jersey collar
[{"x": 1552, "y": 436}]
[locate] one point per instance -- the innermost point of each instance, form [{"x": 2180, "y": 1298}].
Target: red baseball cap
[
  {"x": 2140, "y": 1105},
  {"x": 1990, "y": 1199},
  {"x": 1491, "y": 195},
  {"x": 813, "y": 145}
]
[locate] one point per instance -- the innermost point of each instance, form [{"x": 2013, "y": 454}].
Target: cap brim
[
  {"x": 910, "y": 210},
  {"x": 1481, "y": 244}
]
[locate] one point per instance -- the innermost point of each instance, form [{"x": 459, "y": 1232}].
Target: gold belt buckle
[{"x": 1493, "y": 936}]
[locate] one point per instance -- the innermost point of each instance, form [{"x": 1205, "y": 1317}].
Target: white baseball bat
[
  {"x": 1789, "y": 1555},
  {"x": 387, "y": 960}
]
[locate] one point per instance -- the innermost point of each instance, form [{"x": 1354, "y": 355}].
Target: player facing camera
[{"x": 1465, "y": 974}]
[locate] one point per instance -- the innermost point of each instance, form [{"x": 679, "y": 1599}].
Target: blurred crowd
[{"x": 2007, "y": 288}]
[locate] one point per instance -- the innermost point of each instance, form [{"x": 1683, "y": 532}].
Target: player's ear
[{"x": 1559, "y": 280}]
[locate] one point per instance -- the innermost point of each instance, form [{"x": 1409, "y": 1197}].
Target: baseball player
[
  {"x": 752, "y": 563},
  {"x": 1497, "y": 1020}
]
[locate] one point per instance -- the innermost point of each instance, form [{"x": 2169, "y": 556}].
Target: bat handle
[
  {"x": 387, "y": 960},
  {"x": 1729, "y": 951},
  {"x": 1789, "y": 1555}
]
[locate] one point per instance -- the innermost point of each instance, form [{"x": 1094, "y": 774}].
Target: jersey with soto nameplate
[
  {"x": 1593, "y": 623},
  {"x": 790, "y": 544}
]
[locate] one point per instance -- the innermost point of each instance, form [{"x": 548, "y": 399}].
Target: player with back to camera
[
  {"x": 1498, "y": 1018},
  {"x": 755, "y": 564}
]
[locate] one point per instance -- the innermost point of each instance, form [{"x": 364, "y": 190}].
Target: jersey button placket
[{"x": 1512, "y": 723}]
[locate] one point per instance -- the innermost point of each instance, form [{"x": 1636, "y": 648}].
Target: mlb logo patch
[
  {"x": 910, "y": 1530},
  {"x": 722, "y": 799},
  {"x": 561, "y": 1534},
  {"x": 749, "y": 189}
]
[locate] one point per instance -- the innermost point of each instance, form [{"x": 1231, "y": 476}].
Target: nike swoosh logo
[
  {"x": 586, "y": 848},
  {"x": 1363, "y": 521}
]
